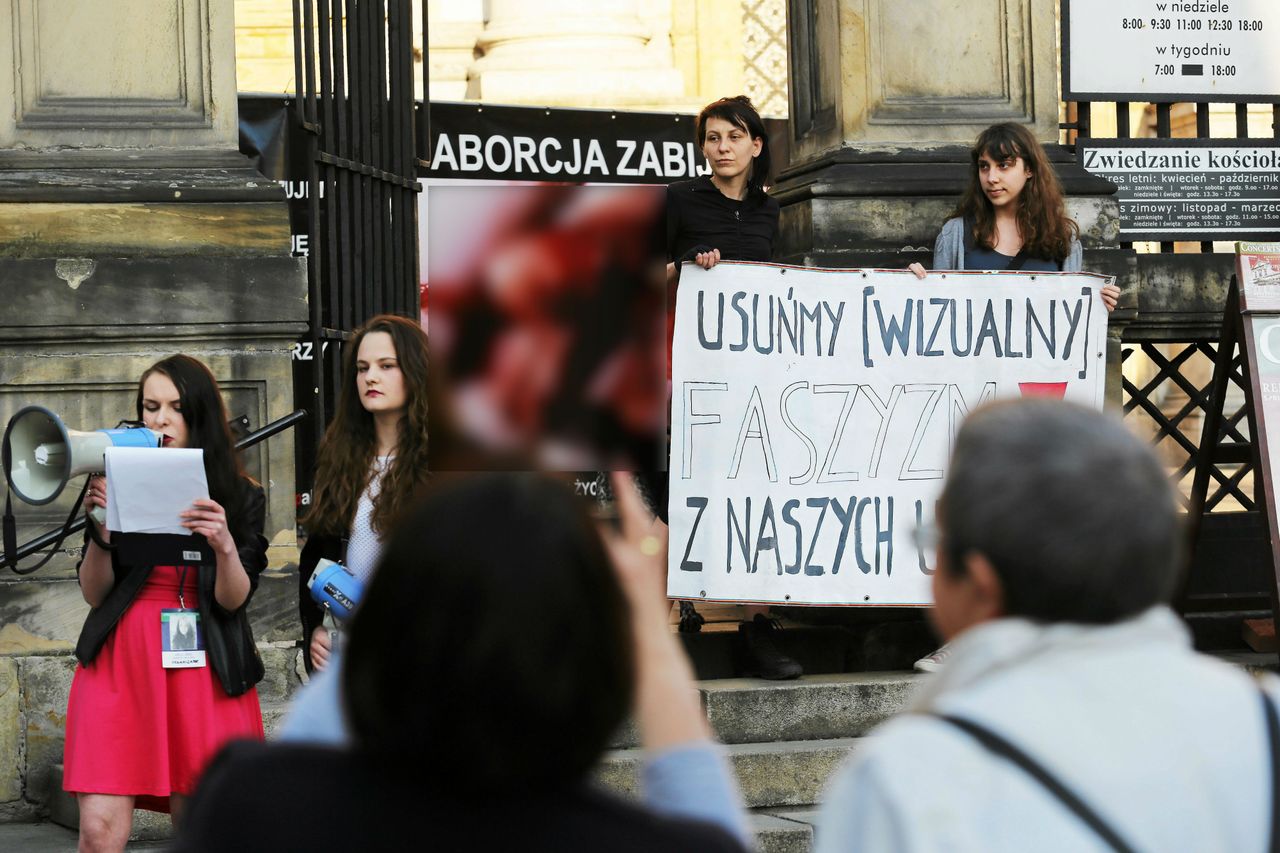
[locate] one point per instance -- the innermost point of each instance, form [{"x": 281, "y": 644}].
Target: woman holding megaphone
[
  {"x": 371, "y": 461},
  {"x": 143, "y": 718}
]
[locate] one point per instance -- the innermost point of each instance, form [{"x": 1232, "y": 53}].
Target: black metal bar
[
  {"x": 1164, "y": 128},
  {"x": 1242, "y": 121},
  {"x": 44, "y": 541},
  {"x": 375, "y": 296},
  {"x": 355, "y": 100},
  {"x": 298, "y": 108},
  {"x": 1202, "y": 120},
  {"x": 326, "y": 256},
  {"x": 340, "y": 268},
  {"x": 369, "y": 73},
  {"x": 400, "y": 119},
  {"x": 408, "y": 161},
  {"x": 303, "y": 28},
  {"x": 1122, "y": 120},
  {"x": 309, "y": 62}
]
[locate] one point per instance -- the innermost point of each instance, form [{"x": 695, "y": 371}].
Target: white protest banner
[{"x": 813, "y": 412}]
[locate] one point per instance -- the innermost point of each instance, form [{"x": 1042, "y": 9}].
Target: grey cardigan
[{"x": 948, "y": 249}]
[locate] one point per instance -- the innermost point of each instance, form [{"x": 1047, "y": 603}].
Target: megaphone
[{"x": 40, "y": 454}]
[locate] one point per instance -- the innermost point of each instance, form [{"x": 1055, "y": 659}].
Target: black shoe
[
  {"x": 760, "y": 657},
  {"x": 691, "y": 620}
]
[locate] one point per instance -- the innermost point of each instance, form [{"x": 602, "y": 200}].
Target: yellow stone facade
[{"x": 700, "y": 50}]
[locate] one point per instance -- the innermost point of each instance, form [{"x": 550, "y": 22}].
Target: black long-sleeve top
[{"x": 700, "y": 217}]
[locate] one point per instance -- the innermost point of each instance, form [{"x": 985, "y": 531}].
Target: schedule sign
[
  {"x": 1170, "y": 50},
  {"x": 1190, "y": 189}
]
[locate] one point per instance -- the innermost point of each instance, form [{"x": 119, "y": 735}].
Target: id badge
[{"x": 181, "y": 639}]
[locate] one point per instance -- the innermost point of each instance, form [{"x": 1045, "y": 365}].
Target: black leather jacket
[{"x": 228, "y": 638}]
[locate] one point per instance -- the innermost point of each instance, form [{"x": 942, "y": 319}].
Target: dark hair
[
  {"x": 492, "y": 650},
  {"x": 739, "y": 112},
  {"x": 205, "y": 414},
  {"x": 346, "y": 453},
  {"x": 1047, "y": 231},
  {"x": 1074, "y": 512}
]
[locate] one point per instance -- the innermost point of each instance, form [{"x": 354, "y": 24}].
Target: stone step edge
[{"x": 779, "y": 774}]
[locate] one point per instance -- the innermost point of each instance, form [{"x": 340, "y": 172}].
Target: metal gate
[
  {"x": 1170, "y": 403},
  {"x": 353, "y": 65}
]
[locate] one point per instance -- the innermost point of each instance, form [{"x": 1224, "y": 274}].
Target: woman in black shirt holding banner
[{"x": 726, "y": 216}]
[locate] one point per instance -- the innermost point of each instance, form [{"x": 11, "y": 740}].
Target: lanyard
[{"x": 182, "y": 582}]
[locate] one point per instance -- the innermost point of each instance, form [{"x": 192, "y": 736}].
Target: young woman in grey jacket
[{"x": 1011, "y": 217}]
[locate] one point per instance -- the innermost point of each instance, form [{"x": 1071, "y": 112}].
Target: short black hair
[
  {"x": 492, "y": 651},
  {"x": 1075, "y": 513},
  {"x": 740, "y": 112}
]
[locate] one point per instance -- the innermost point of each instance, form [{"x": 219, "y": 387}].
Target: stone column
[
  {"x": 884, "y": 104},
  {"x": 452, "y": 29},
  {"x": 568, "y": 53},
  {"x": 132, "y": 229}
]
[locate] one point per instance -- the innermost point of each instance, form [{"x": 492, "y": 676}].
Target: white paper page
[
  {"x": 147, "y": 488},
  {"x": 113, "y": 509}
]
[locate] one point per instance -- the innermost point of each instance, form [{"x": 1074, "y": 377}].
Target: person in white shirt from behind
[{"x": 1057, "y": 554}]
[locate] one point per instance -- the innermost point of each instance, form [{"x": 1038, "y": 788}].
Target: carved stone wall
[{"x": 166, "y": 89}]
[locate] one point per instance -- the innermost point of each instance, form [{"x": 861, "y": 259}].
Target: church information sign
[
  {"x": 813, "y": 414},
  {"x": 1170, "y": 50},
  {"x": 1190, "y": 189}
]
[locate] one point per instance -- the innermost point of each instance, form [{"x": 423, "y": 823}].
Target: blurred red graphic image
[{"x": 547, "y": 325}]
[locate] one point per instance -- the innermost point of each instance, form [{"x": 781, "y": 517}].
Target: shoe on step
[{"x": 934, "y": 661}]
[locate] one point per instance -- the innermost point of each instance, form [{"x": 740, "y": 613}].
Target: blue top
[
  {"x": 990, "y": 259},
  {"x": 949, "y": 252}
]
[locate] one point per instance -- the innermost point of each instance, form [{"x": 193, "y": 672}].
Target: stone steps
[
  {"x": 771, "y": 775},
  {"x": 784, "y": 741},
  {"x": 788, "y": 830}
]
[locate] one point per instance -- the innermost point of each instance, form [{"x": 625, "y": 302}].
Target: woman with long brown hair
[
  {"x": 371, "y": 461},
  {"x": 1012, "y": 216}
]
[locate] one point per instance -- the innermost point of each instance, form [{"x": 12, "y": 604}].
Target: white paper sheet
[{"x": 147, "y": 488}]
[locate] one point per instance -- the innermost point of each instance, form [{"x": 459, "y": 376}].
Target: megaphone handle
[
  {"x": 10, "y": 532},
  {"x": 99, "y": 514}
]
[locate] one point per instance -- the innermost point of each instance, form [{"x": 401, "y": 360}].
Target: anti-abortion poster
[{"x": 813, "y": 413}]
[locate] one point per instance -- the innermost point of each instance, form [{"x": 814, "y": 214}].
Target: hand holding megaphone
[{"x": 95, "y": 502}]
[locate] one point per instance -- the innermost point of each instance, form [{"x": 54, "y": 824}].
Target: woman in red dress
[{"x": 139, "y": 730}]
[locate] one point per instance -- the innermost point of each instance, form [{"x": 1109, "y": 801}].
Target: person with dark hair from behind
[
  {"x": 727, "y": 216},
  {"x": 1074, "y": 714},
  {"x": 474, "y": 726}
]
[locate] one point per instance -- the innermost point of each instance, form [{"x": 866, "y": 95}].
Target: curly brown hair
[
  {"x": 1046, "y": 230},
  {"x": 346, "y": 454}
]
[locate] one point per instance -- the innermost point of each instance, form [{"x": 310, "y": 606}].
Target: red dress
[{"x": 136, "y": 728}]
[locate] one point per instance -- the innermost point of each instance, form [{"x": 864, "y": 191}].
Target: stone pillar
[
  {"x": 571, "y": 54},
  {"x": 884, "y": 106},
  {"x": 452, "y": 29},
  {"x": 133, "y": 228}
]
